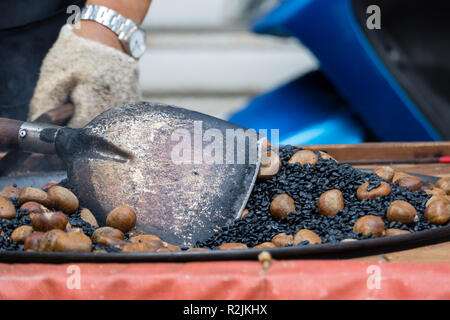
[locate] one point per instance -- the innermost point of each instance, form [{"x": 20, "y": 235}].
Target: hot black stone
[
  {"x": 96, "y": 246},
  {"x": 76, "y": 222},
  {"x": 373, "y": 185},
  {"x": 15, "y": 202}
]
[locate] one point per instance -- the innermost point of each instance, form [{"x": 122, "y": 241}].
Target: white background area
[{"x": 201, "y": 56}]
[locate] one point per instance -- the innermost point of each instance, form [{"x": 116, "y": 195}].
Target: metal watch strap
[{"x": 114, "y": 21}]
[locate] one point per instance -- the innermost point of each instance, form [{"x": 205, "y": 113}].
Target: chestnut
[
  {"x": 63, "y": 199},
  {"x": 99, "y": 251},
  {"x": 171, "y": 247},
  {"x": 110, "y": 242},
  {"x": 232, "y": 246},
  {"x": 33, "y": 241},
  {"x": 282, "y": 240},
  {"x": 32, "y": 206},
  {"x": 48, "y": 240},
  {"x": 402, "y": 211},
  {"x": 7, "y": 209},
  {"x": 383, "y": 190},
  {"x": 436, "y": 191},
  {"x": 281, "y": 206},
  {"x": 144, "y": 238},
  {"x": 30, "y": 215},
  {"x": 87, "y": 216},
  {"x": 136, "y": 232},
  {"x": 427, "y": 187},
  {"x": 10, "y": 192},
  {"x": 136, "y": 247},
  {"x": 107, "y": 232},
  {"x": 438, "y": 212},
  {"x": 326, "y": 156},
  {"x": 410, "y": 182},
  {"x": 49, "y": 220},
  {"x": 406, "y": 180},
  {"x": 304, "y": 157},
  {"x": 370, "y": 225},
  {"x": 34, "y": 194},
  {"x": 21, "y": 233},
  {"x": 444, "y": 184},
  {"x": 331, "y": 202},
  {"x": 73, "y": 242},
  {"x": 155, "y": 244},
  {"x": 265, "y": 245},
  {"x": 385, "y": 172},
  {"x": 436, "y": 198},
  {"x": 70, "y": 228},
  {"x": 271, "y": 165},
  {"x": 48, "y": 185},
  {"x": 122, "y": 218},
  {"x": 197, "y": 249},
  {"x": 399, "y": 175},
  {"x": 306, "y": 235},
  {"x": 395, "y": 232}
]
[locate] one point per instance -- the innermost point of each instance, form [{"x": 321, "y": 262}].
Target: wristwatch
[{"x": 130, "y": 34}]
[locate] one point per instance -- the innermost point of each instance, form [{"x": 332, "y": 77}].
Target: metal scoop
[{"x": 156, "y": 158}]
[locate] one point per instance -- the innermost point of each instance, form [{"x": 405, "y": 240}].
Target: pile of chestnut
[
  {"x": 51, "y": 231},
  {"x": 331, "y": 202}
]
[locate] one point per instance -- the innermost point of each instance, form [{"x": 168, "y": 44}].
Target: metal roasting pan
[{"x": 344, "y": 250}]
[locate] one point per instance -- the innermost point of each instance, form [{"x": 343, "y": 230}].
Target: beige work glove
[{"x": 95, "y": 77}]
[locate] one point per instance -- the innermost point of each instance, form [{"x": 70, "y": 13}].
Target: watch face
[{"x": 137, "y": 43}]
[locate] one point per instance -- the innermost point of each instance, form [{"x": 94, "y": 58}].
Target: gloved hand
[{"x": 95, "y": 77}]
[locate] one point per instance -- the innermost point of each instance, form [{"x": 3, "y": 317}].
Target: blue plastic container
[
  {"x": 329, "y": 28},
  {"x": 305, "y": 111}
]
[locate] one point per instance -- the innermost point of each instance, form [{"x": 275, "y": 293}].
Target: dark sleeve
[{"x": 17, "y": 13}]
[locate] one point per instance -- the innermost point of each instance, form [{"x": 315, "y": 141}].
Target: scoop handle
[
  {"x": 28, "y": 136},
  {"x": 9, "y": 133},
  {"x": 10, "y": 130}
]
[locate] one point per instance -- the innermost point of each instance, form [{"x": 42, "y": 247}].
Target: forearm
[{"x": 131, "y": 9}]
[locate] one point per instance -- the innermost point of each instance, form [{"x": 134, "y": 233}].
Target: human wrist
[{"x": 95, "y": 31}]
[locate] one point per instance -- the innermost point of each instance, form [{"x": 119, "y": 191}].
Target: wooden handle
[
  {"x": 9, "y": 131},
  {"x": 14, "y": 160},
  {"x": 9, "y": 128}
]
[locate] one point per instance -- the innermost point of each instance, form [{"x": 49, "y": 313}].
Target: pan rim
[{"x": 328, "y": 251}]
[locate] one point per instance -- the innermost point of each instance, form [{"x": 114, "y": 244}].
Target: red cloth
[{"x": 226, "y": 280}]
